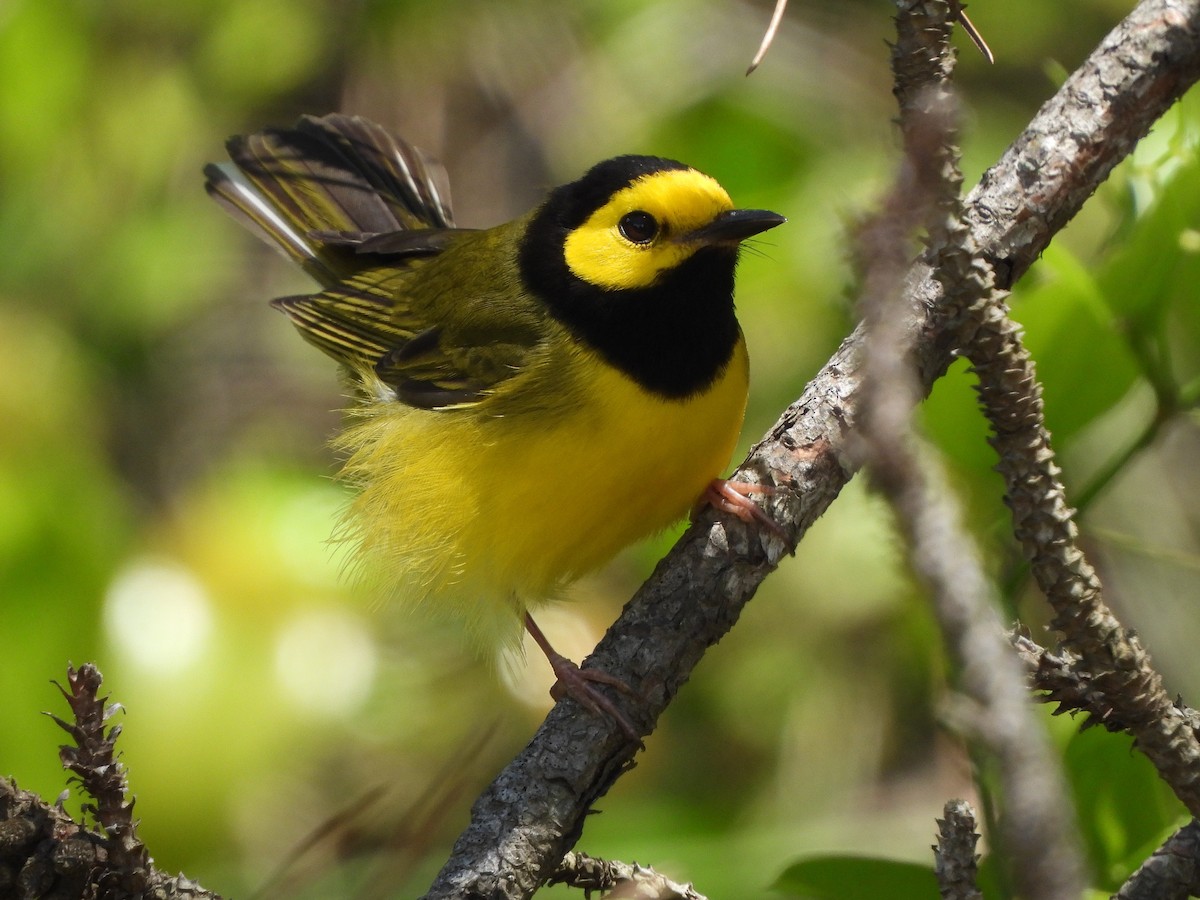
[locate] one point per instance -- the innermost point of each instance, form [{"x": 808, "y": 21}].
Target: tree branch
[
  {"x": 1173, "y": 870},
  {"x": 1035, "y": 825},
  {"x": 1067, "y": 683},
  {"x": 1045, "y": 525},
  {"x": 534, "y": 811}
]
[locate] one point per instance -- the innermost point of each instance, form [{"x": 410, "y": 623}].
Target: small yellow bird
[{"x": 529, "y": 398}]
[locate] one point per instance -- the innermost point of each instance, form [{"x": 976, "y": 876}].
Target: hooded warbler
[{"x": 529, "y": 398}]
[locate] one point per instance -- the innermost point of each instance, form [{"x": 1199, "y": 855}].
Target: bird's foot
[
  {"x": 579, "y": 684},
  {"x": 733, "y": 497}
]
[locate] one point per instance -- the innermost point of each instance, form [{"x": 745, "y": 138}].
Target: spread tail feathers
[{"x": 321, "y": 191}]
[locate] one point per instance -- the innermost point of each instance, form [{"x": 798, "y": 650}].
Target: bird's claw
[
  {"x": 578, "y": 684},
  {"x": 733, "y": 497}
]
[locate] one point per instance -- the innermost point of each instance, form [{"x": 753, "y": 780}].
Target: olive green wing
[
  {"x": 367, "y": 325},
  {"x": 331, "y": 189}
]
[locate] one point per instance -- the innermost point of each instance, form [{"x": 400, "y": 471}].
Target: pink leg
[
  {"x": 734, "y": 497},
  {"x": 576, "y": 683}
]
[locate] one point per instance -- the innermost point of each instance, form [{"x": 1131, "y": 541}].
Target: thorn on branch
[
  {"x": 959, "y": 14},
  {"x": 1060, "y": 678}
]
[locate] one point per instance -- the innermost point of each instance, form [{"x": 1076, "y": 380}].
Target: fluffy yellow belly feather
[{"x": 482, "y": 516}]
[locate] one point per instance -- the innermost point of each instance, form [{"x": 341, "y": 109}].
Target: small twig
[
  {"x": 769, "y": 37},
  {"x": 960, "y": 15},
  {"x": 956, "y": 863},
  {"x": 94, "y": 762},
  {"x": 625, "y": 881}
]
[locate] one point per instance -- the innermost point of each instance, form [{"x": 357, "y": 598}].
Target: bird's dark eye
[{"x": 638, "y": 226}]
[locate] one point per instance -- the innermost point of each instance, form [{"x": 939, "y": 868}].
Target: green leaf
[
  {"x": 857, "y": 878},
  {"x": 1150, "y": 279},
  {"x": 1153, "y": 268}
]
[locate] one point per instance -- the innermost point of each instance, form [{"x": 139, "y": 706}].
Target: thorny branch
[
  {"x": 1044, "y": 524},
  {"x": 1035, "y": 824},
  {"x": 955, "y": 862},
  {"x": 92, "y": 759},
  {"x": 624, "y": 881},
  {"x": 1173, "y": 871},
  {"x": 1068, "y": 684}
]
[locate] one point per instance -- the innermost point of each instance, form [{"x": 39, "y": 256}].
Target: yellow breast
[{"x": 485, "y": 514}]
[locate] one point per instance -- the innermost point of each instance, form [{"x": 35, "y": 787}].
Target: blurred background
[{"x": 166, "y": 492}]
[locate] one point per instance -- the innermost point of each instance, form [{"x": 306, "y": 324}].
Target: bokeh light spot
[
  {"x": 158, "y": 615},
  {"x": 325, "y": 662}
]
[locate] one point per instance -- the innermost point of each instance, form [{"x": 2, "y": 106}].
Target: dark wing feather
[
  {"x": 336, "y": 324},
  {"x": 394, "y": 244},
  {"x": 356, "y": 321},
  {"x": 413, "y": 185},
  {"x": 424, "y": 376},
  {"x": 336, "y": 175},
  {"x": 359, "y": 325},
  {"x": 361, "y": 210}
]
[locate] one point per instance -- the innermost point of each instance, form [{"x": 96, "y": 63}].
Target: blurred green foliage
[
  {"x": 857, "y": 878},
  {"x": 165, "y": 490}
]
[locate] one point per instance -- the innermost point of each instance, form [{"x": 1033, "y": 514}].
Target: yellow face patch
[{"x": 679, "y": 200}]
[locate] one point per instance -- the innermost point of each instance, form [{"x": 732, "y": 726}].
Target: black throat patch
[{"x": 674, "y": 338}]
